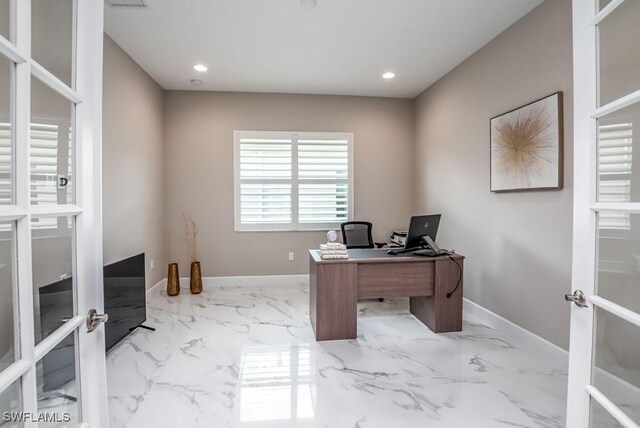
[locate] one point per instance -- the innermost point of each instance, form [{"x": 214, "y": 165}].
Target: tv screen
[
  {"x": 124, "y": 301},
  {"x": 124, "y": 298},
  {"x": 58, "y": 366}
]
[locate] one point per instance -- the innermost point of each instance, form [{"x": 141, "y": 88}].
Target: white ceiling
[{"x": 340, "y": 47}]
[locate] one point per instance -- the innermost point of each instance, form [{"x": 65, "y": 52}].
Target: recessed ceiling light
[
  {"x": 200, "y": 67},
  {"x": 308, "y": 4},
  {"x": 389, "y": 75}
]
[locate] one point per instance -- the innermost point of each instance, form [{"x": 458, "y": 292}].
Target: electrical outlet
[
  {"x": 291, "y": 256},
  {"x": 152, "y": 264}
]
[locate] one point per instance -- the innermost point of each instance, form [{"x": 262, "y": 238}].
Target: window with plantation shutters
[
  {"x": 615, "y": 169},
  {"x": 292, "y": 180}
]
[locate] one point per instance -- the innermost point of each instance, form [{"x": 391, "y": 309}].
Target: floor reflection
[{"x": 276, "y": 384}]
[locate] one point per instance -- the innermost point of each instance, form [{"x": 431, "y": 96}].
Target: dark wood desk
[{"x": 337, "y": 285}]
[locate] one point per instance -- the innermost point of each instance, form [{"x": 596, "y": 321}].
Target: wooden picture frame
[{"x": 527, "y": 147}]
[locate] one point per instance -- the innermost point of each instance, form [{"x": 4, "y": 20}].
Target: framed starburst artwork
[{"x": 527, "y": 147}]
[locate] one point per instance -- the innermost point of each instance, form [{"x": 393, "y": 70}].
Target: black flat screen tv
[
  {"x": 56, "y": 305},
  {"x": 124, "y": 301},
  {"x": 124, "y": 298}
]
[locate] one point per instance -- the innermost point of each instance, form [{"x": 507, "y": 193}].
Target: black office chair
[{"x": 357, "y": 234}]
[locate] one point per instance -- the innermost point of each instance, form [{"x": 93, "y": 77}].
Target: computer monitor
[{"x": 423, "y": 225}]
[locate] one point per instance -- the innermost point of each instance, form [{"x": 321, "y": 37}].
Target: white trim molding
[
  {"x": 247, "y": 281},
  {"x": 524, "y": 337},
  {"x": 542, "y": 347},
  {"x": 241, "y": 281},
  {"x": 162, "y": 284}
]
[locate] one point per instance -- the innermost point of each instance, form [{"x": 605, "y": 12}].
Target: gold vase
[
  {"x": 195, "y": 285},
  {"x": 173, "y": 280}
]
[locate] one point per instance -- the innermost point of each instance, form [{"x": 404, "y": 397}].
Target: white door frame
[
  {"x": 87, "y": 95},
  {"x": 92, "y": 368},
  {"x": 586, "y": 112},
  {"x": 584, "y": 219}
]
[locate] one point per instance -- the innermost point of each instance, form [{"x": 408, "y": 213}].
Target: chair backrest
[{"x": 357, "y": 234}]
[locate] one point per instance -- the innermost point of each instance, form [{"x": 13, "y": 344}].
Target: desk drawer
[{"x": 377, "y": 280}]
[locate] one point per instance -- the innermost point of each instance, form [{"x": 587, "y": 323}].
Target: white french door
[
  {"x": 604, "y": 355},
  {"x": 52, "y": 370}
]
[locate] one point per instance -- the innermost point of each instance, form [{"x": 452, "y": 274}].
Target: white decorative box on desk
[{"x": 332, "y": 249}]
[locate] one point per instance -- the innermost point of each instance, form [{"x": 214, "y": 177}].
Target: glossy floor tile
[{"x": 246, "y": 357}]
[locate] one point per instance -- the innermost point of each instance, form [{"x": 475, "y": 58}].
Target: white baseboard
[
  {"x": 243, "y": 281},
  {"x": 162, "y": 283},
  {"x": 524, "y": 337},
  {"x": 225, "y": 281},
  {"x": 617, "y": 388}
]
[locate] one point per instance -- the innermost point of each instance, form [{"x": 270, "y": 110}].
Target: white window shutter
[
  {"x": 265, "y": 180},
  {"x": 43, "y": 151},
  {"x": 323, "y": 172},
  {"x": 615, "y": 167},
  {"x": 292, "y": 180}
]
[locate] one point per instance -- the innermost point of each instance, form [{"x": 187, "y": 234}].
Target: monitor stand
[{"x": 68, "y": 397}]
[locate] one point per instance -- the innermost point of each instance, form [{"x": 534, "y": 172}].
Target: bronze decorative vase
[
  {"x": 196, "y": 278},
  {"x": 173, "y": 280}
]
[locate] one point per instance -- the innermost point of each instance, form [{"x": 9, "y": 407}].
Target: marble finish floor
[{"x": 246, "y": 357}]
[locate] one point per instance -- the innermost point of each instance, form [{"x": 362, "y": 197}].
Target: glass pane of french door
[
  {"x": 52, "y": 261},
  {"x": 618, "y": 139},
  {"x": 57, "y": 391},
  {"x": 51, "y": 146},
  {"x": 603, "y": 3},
  {"x": 615, "y": 365},
  {"x": 7, "y": 295},
  {"x": 618, "y": 265},
  {"x": 616, "y": 371},
  {"x": 6, "y": 130},
  {"x": 5, "y": 19},
  {"x": 619, "y": 52},
  {"x": 10, "y": 403},
  {"x": 52, "y": 38},
  {"x": 601, "y": 418}
]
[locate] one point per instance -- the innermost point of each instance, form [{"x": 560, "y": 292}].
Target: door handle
[
  {"x": 578, "y": 298},
  {"x": 94, "y": 319}
]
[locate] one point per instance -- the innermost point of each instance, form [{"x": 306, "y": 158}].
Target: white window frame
[{"x": 295, "y": 225}]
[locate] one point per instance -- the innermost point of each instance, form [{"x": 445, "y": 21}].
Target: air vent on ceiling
[{"x": 126, "y": 3}]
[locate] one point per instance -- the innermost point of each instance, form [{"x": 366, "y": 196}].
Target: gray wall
[
  {"x": 518, "y": 245},
  {"x": 132, "y": 163},
  {"x": 199, "y": 171}
]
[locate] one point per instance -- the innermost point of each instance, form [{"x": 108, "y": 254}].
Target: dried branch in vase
[
  {"x": 168, "y": 246},
  {"x": 191, "y": 233}
]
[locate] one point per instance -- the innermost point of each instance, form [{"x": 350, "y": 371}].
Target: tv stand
[
  {"x": 68, "y": 397},
  {"x": 142, "y": 326}
]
